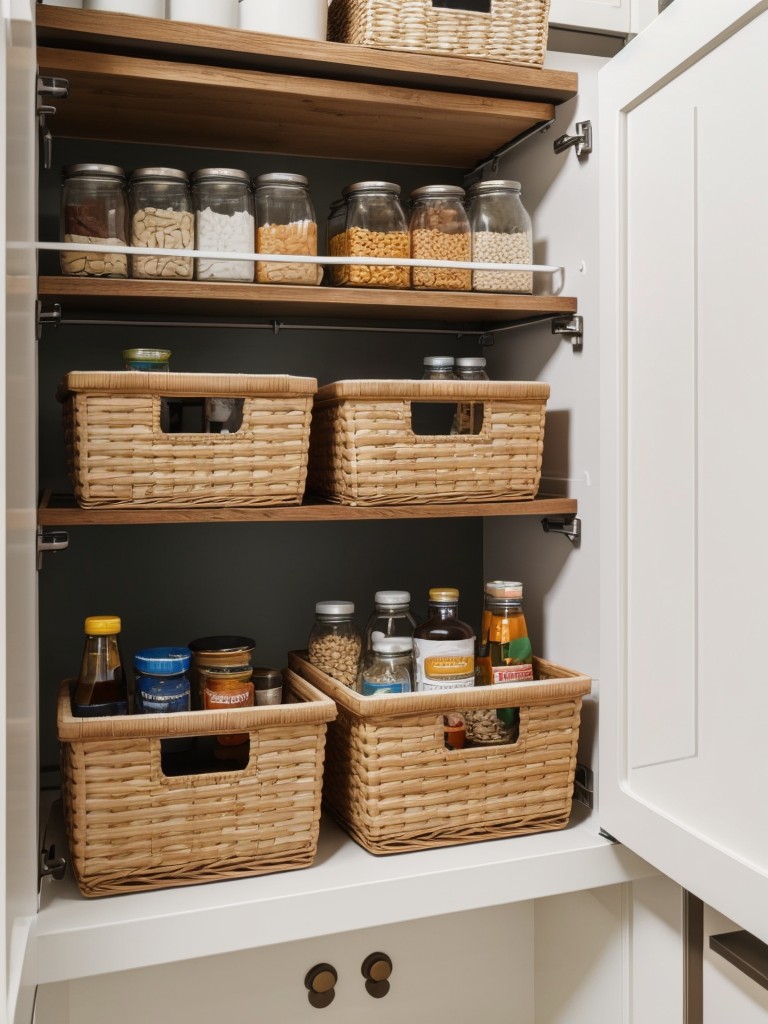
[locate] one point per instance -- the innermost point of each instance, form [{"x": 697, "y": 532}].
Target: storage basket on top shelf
[
  {"x": 123, "y": 452},
  {"x": 393, "y": 784},
  {"x": 514, "y": 31},
  {"x": 364, "y": 450},
  {"x": 132, "y": 827}
]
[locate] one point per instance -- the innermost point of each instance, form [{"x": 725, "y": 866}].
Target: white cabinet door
[
  {"x": 597, "y": 15},
  {"x": 18, "y": 624},
  {"x": 684, "y": 697}
]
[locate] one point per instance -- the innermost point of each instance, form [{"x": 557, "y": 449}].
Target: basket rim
[
  {"x": 439, "y": 390},
  {"x": 143, "y": 382}
]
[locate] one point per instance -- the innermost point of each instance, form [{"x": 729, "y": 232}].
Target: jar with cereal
[
  {"x": 335, "y": 641},
  {"x": 161, "y": 218},
  {"x": 94, "y": 211},
  {"x": 501, "y": 233},
  {"x": 376, "y": 226},
  {"x": 439, "y": 229},
  {"x": 286, "y": 226}
]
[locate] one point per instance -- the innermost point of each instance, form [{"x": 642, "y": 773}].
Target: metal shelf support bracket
[
  {"x": 581, "y": 141},
  {"x": 47, "y": 317},
  {"x": 571, "y": 328},
  {"x": 50, "y": 540},
  {"x": 569, "y": 526}
]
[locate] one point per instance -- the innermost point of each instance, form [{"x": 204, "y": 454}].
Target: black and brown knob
[
  {"x": 321, "y": 981},
  {"x": 376, "y": 970}
]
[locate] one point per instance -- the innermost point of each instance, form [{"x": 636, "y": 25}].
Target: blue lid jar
[{"x": 162, "y": 683}]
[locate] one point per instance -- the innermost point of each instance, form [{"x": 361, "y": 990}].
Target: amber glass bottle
[
  {"x": 444, "y": 646},
  {"x": 101, "y": 686}
]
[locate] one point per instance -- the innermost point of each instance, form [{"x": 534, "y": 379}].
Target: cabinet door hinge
[
  {"x": 584, "y": 786},
  {"x": 50, "y": 540},
  {"x": 568, "y": 525},
  {"x": 49, "y": 88},
  {"x": 581, "y": 141},
  {"x": 571, "y": 328},
  {"x": 47, "y": 316}
]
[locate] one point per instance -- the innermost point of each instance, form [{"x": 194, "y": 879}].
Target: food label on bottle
[
  {"x": 444, "y": 664},
  {"x": 372, "y": 689}
]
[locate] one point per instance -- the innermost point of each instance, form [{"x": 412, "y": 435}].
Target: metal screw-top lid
[
  {"x": 471, "y": 362},
  {"x": 93, "y": 171},
  {"x": 222, "y": 644},
  {"x": 494, "y": 186},
  {"x": 335, "y": 608},
  {"x": 159, "y": 174},
  {"x": 372, "y": 186},
  {"x": 267, "y": 678},
  {"x": 436, "y": 191},
  {"x": 279, "y": 178},
  {"x": 391, "y": 598},
  {"x": 443, "y": 595},
  {"x": 392, "y": 644},
  {"x": 220, "y": 174},
  {"x": 439, "y": 361},
  {"x": 504, "y": 589},
  {"x": 162, "y": 661}
]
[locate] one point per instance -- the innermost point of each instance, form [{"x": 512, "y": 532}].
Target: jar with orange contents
[{"x": 225, "y": 692}]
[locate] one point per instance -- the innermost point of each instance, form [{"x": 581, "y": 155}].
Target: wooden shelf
[
  {"x": 223, "y": 299},
  {"x": 61, "y": 510}
]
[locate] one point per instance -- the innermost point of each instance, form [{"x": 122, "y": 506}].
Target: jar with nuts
[
  {"x": 376, "y": 226},
  {"x": 161, "y": 218},
  {"x": 335, "y": 641},
  {"x": 287, "y": 226},
  {"x": 439, "y": 229},
  {"x": 501, "y": 233},
  {"x": 94, "y": 211}
]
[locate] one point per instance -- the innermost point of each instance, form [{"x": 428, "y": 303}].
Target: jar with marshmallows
[
  {"x": 376, "y": 226},
  {"x": 286, "y": 226},
  {"x": 501, "y": 233},
  {"x": 439, "y": 229},
  {"x": 161, "y": 218},
  {"x": 224, "y": 222}
]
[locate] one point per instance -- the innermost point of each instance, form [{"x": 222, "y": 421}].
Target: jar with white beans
[
  {"x": 286, "y": 226},
  {"x": 224, "y": 222},
  {"x": 161, "y": 218},
  {"x": 439, "y": 231},
  {"x": 501, "y": 233},
  {"x": 94, "y": 211},
  {"x": 335, "y": 642}
]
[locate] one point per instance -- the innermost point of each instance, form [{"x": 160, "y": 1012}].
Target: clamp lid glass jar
[
  {"x": 94, "y": 211},
  {"x": 439, "y": 229},
  {"x": 161, "y": 218},
  {"x": 335, "y": 641},
  {"x": 224, "y": 222},
  {"x": 287, "y": 226},
  {"x": 501, "y": 233},
  {"x": 376, "y": 226}
]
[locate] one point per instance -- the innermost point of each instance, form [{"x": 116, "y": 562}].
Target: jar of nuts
[
  {"x": 286, "y": 225},
  {"x": 335, "y": 641},
  {"x": 161, "y": 218},
  {"x": 439, "y": 229},
  {"x": 501, "y": 233},
  {"x": 94, "y": 211},
  {"x": 376, "y": 226}
]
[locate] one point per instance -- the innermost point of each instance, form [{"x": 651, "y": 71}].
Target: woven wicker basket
[
  {"x": 391, "y": 782},
  {"x": 363, "y": 450},
  {"x": 120, "y": 456},
  {"x": 132, "y": 828},
  {"x": 514, "y": 31}
]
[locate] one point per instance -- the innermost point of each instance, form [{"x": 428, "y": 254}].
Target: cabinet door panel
[
  {"x": 600, "y": 15},
  {"x": 683, "y": 697}
]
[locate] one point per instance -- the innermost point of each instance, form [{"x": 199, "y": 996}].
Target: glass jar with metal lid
[
  {"x": 334, "y": 236},
  {"x": 219, "y": 655},
  {"x": 439, "y": 229},
  {"x": 94, "y": 211},
  {"x": 224, "y": 222},
  {"x": 335, "y": 641},
  {"x": 287, "y": 226},
  {"x": 376, "y": 226},
  {"x": 161, "y": 218},
  {"x": 501, "y": 233},
  {"x": 438, "y": 368}
]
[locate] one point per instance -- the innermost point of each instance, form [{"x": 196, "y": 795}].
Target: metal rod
[{"x": 494, "y": 158}]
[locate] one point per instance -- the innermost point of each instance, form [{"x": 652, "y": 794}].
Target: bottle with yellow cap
[
  {"x": 101, "y": 686},
  {"x": 443, "y": 646}
]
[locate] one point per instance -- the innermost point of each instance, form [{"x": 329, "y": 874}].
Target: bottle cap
[
  {"x": 390, "y": 598},
  {"x": 266, "y": 678},
  {"x": 392, "y": 644},
  {"x": 471, "y": 361},
  {"x": 438, "y": 360},
  {"x": 146, "y": 355},
  {"x": 162, "y": 661},
  {"x": 222, "y": 644},
  {"x": 335, "y": 608},
  {"x": 504, "y": 588},
  {"x": 102, "y": 625},
  {"x": 443, "y": 595}
]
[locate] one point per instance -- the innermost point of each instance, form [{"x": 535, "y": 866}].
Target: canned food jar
[
  {"x": 287, "y": 226},
  {"x": 151, "y": 359},
  {"x": 501, "y": 233},
  {"x": 439, "y": 229},
  {"x": 161, "y": 218},
  {"x": 376, "y": 226},
  {"x": 334, "y": 234},
  {"x": 218, "y": 655},
  {"x": 224, "y": 222},
  {"x": 335, "y": 642},
  {"x": 94, "y": 211},
  {"x": 267, "y": 686},
  {"x": 162, "y": 680}
]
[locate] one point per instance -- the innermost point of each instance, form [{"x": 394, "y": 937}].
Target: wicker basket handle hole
[
  {"x": 478, "y": 6},
  {"x": 442, "y": 419},
  {"x": 216, "y": 415},
  {"x": 481, "y": 727},
  {"x": 204, "y": 755}
]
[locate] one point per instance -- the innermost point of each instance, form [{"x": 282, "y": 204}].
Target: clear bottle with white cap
[
  {"x": 388, "y": 668},
  {"x": 438, "y": 368}
]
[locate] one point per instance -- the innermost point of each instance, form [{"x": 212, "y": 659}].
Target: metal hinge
[
  {"x": 46, "y": 317},
  {"x": 581, "y": 142},
  {"x": 53, "y": 88},
  {"x": 584, "y": 785},
  {"x": 568, "y": 525},
  {"x": 608, "y": 836},
  {"x": 571, "y": 328},
  {"x": 50, "y": 540},
  {"x": 52, "y": 864}
]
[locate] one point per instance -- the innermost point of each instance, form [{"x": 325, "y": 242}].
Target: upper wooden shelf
[
  {"x": 243, "y": 91},
  {"x": 224, "y": 299}
]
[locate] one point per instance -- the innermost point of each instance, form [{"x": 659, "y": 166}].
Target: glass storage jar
[
  {"x": 162, "y": 680},
  {"x": 334, "y": 235},
  {"x": 286, "y": 225},
  {"x": 388, "y": 667},
  {"x": 469, "y": 415},
  {"x": 439, "y": 229},
  {"x": 376, "y": 226},
  {"x": 161, "y": 218},
  {"x": 94, "y": 211},
  {"x": 335, "y": 642},
  {"x": 501, "y": 233},
  {"x": 224, "y": 222},
  {"x": 219, "y": 655},
  {"x": 438, "y": 368}
]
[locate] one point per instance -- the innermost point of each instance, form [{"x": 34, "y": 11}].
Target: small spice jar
[
  {"x": 439, "y": 229},
  {"x": 147, "y": 359},
  {"x": 218, "y": 655},
  {"x": 162, "y": 680},
  {"x": 161, "y": 218},
  {"x": 287, "y": 226},
  {"x": 438, "y": 368},
  {"x": 334, "y": 234},
  {"x": 501, "y": 233},
  {"x": 389, "y": 666},
  {"x": 335, "y": 641},
  {"x": 226, "y": 691},
  {"x": 267, "y": 686},
  {"x": 94, "y": 211},
  {"x": 376, "y": 226},
  {"x": 224, "y": 222}
]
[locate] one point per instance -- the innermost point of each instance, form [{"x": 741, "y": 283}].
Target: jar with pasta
[
  {"x": 286, "y": 226},
  {"x": 94, "y": 211},
  {"x": 334, "y": 233},
  {"x": 376, "y": 226},
  {"x": 439, "y": 229},
  {"x": 161, "y": 218},
  {"x": 501, "y": 233}
]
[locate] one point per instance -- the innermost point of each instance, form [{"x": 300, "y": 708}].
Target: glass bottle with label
[
  {"x": 443, "y": 646},
  {"x": 387, "y": 668},
  {"x": 101, "y": 686}
]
